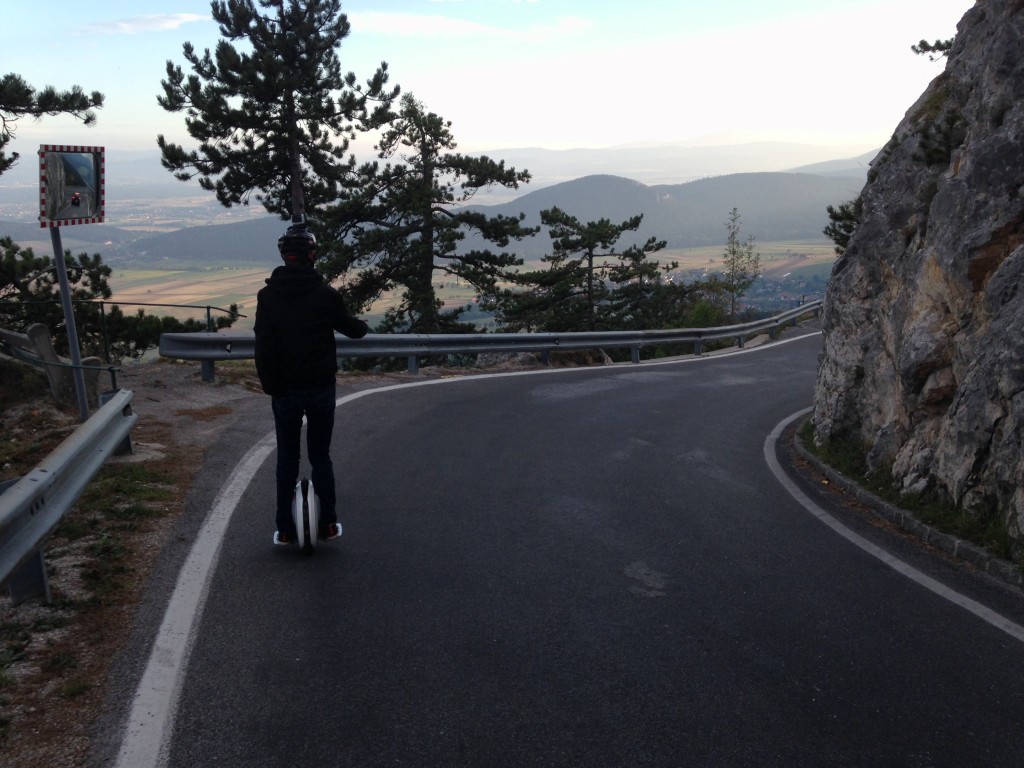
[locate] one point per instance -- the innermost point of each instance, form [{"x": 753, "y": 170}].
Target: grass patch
[
  {"x": 59, "y": 662},
  {"x": 50, "y": 623},
  {"x": 979, "y": 526},
  {"x": 132, "y": 513},
  {"x": 30, "y": 431},
  {"x": 983, "y": 527},
  {"x": 74, "y": 527},
  {"x": 843, "y": 456},
  {"x": 19, "y": 382},
  {"x": 107, "y": 565},
  {"x": 128, "y": 483},
  {"x": 74, "y": 688},
  {"x": 9, "y": 656}
]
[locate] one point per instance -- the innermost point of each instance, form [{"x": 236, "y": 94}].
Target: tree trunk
[{"x": 295, "y": 161}]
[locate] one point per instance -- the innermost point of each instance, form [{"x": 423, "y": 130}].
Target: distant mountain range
[
  {"x": 676, "y": 164},
  {"x": 774, "y": 206},
  {"x": 131, "y": 174}
]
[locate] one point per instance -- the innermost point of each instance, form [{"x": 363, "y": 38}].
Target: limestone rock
[{"x": 924, "y": 315}]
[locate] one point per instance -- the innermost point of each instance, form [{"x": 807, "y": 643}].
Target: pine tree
[
  {"x": 642, "y": 297},
  {"x": 568, "y": 294},
  {"x": 843, "y": 220},
  {"x": 402, "y": 224},
  {"x": 742, "y": 265},
  {"x": 935, "y": 51},
  {"x": 275, "y": 120},
  {"x": 29, "y": 293},
  {"x": 19, "y": 99}
]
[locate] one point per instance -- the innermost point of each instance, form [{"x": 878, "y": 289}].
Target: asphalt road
[{"x": 588, "y": 568}]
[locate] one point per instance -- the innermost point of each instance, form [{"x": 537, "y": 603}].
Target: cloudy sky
[{"x": 531, "y": 73}]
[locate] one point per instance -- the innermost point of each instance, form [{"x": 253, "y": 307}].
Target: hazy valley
[{"x": 171, "y": 243}]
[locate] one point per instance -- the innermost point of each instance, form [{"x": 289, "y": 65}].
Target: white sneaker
[
  {"x": 331, "y": 531},
  {"x": 283, "y": 541}
]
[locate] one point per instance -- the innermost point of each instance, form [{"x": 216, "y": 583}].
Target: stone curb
[{"x": 965, "y": 551}]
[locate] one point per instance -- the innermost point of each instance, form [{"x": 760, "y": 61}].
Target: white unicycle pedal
[{"x": 306, "y": 514}]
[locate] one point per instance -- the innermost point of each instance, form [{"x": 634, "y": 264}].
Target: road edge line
[{"x": 984, "y": 613}]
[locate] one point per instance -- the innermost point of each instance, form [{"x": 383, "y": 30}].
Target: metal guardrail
[
  {"x": 31, "y": 507},
  {"x": 210, "y": 347}
]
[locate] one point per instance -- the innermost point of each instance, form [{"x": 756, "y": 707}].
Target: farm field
[
  {"x": 221, "y": 288},
  {"x": 142, "y": 289},
  {"x": 776, "y": 258}
]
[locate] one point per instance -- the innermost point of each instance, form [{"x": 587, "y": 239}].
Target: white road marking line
[
  {"x": 984, "y": 613},
  {"x": 147, "y": 735}
]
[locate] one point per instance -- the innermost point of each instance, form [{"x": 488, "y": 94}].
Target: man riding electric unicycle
[{"x": 297, "y": 313}]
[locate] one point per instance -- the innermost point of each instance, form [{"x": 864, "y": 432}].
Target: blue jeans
[{"x": 318, "y": 407}]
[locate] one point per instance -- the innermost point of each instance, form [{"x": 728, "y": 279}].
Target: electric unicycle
[{"x": 306, "y": 514}]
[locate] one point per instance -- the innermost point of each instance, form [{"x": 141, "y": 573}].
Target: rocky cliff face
[{"x": 924, "y": 316}]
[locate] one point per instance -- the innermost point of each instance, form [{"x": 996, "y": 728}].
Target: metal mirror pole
[{"x": 69, "y": 323}]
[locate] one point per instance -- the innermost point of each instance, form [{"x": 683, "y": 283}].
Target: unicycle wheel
[{"x": 306, "y": 514}]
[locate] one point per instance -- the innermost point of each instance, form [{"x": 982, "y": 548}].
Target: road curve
[{"x": 574, "y": 568}]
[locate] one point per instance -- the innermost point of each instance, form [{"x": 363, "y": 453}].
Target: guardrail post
[
  {"x": 29, "y": 581},
  {"x": 125, "y": 447},
  {"x": 634, "y": 353},
  {"x": 106, "y": 333},
  {"x": 698, "y": 347},
  {"x": 739, "y": 342},
  {"x": 412, "y": 364},
  {"x": 206, "y": 367}
]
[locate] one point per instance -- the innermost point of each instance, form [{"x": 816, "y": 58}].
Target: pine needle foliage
[{"x": 270, "y": 107}]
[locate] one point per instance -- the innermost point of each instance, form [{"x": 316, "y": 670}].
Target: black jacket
[{"x": 297, "y": 314}]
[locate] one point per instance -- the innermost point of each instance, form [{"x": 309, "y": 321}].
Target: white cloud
[
  {"x": 449, "y": 28},
  {"x": 137, "y": 24}
]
